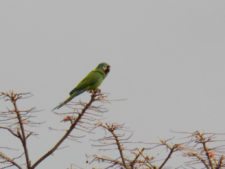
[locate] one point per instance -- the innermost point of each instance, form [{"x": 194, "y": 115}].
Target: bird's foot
[
  {"x": 98, "y": 90},
  {"x": 95, "y": 91},
  {"x": 91, "y": 91}
]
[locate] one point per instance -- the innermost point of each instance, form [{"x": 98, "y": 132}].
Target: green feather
[{"x": 91, "y": 82}]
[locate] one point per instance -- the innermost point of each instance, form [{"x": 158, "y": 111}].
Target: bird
[{"x": 90, "y": 83}]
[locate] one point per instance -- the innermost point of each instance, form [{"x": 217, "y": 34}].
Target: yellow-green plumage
[{"x": 91, "y": 82}]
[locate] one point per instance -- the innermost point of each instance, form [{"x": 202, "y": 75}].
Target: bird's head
[{"x": 104, "y": 67}]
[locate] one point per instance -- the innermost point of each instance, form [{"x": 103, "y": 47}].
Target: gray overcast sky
[{"x": 167, "y": 59}]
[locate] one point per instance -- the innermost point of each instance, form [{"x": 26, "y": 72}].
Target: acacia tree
[
  {"x": 205, "y": 150},
  {"x": 115, "y": 148},
  {"x": 18, "y": 122},
  {"x": 198, "y": 150},
  {"x": 119, "y": 151}
]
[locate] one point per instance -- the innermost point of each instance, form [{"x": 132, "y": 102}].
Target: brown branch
[
  {"x": 199, "y": 158},
  {"x": 220, "y": 162},
  {"x": 199, "y": 150},
  {"x": 107, "y": 159},
  {"x": 203, "y": 140},
  {"x": 8, "y": 159},
  {"x": 136, "y": 158},
  {"x": 23, "y": 136},
  {"x": 9, "y": 130},
  {"x": 147, "y": 161},
  {"x": 13, "y": 98},
  {"x": 207, "y": 154},
  {"x": 68, "y": 132},
  {"x": 119, "y": 147},
  {"x": 172, "y": 150},
  {"x": 112, "y": 138}
]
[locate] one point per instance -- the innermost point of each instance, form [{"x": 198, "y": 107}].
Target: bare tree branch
[
  {"x": 8, "y": 159},
  {"x": 68, "y": 132}
]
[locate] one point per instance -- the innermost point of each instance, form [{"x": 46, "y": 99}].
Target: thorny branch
[
  {"x": 129, "y": 158},
  {"x": 111, "y": 128},
  {"x": 9, "y": 160},
  {"x": 17, "y": 122},
  {"x": 74, "y": 122},
  {"x": 172, "y": 149},
  {"x": 198, "y": 147},
  {"x": 16, "y": 117},
  {"x": 202, "y": 148}
]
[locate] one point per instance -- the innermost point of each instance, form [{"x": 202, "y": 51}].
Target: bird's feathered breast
[{"x": 91, "y": 81}]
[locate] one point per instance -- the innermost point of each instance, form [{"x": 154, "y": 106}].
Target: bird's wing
[{"x": 92, "y": 78}]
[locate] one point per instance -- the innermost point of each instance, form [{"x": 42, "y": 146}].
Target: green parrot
[{"x": 91, "y": 82}]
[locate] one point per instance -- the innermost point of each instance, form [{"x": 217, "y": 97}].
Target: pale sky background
[{"x": 167, "y": 59}]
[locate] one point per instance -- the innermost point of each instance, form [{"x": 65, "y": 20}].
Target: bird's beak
[{"x": 107, "y": 69}]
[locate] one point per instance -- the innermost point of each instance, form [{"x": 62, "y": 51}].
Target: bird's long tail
[
  {"x": 74, "y": 94},
  {"x": 63, "y": 103}
]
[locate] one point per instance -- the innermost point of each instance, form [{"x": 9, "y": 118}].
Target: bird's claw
[
  {"x": 98, "y": 91},
  {"x": 95, "y": 91}
]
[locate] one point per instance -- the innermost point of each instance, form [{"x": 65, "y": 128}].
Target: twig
[
  {"x": 72, "y": 126},
  {"x": 23, "y": 137},
  {"x": 172, "y": 150},
  {"x": 8, "y": 159}
]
